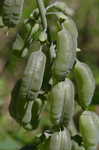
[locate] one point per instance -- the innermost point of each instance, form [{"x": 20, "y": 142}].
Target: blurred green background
[{"x": 86, "y": 16}]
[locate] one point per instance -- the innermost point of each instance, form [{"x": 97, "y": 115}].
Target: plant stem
[{"x": 42, "y": 11}]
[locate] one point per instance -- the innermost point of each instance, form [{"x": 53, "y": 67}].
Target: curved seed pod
[
  {"x": 68, "y": 107},
  {"x": 65, "y": 56},
  {"x": 12, "y": 11},
  {"x": 60, "y": 141},
  {"x": 88, "y": 130},
  {"x": 33, "y": 75},
  {"x": 62, "y": 103},
  {"x": 85, "y": 83}
]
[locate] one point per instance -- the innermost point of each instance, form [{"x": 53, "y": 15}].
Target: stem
[{"x": 42, "y": 11}]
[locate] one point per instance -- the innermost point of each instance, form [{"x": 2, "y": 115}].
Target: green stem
[{"x": 42, "y": 11}]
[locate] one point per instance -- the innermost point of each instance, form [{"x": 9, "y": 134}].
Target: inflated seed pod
[
  {"x": 60, "y": 141},
  {"x": 85, "y": 83},
  {"x": 61, "y": 100},
  {"x": 88, "y": 130},
  {"x": 33, "y": 75},
  {"x": 65, "y": 55},
  {"x": 12, "y": 11}
]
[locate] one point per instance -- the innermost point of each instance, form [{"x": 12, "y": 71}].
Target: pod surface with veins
[{"x": 85, "y": 83}]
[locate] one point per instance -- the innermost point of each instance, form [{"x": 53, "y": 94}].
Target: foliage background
[{"x": 86, "y": 16}]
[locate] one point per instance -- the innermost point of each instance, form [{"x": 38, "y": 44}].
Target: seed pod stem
[{"x": 43, "y": 13}]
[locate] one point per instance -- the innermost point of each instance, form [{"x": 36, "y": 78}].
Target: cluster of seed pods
[{"x": 54, "y": 76}]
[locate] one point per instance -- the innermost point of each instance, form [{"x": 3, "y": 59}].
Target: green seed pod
[
  {"x": 61, "y": 100},
  {"x": 12, "y": 11},
  {"x": 88, "y": 130},
  {"x": 65, "y": 56},
  {"x": 60, "y": 141},
  {"x": 33, "y": 75},
  {"x": 85, "y": 83}
]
